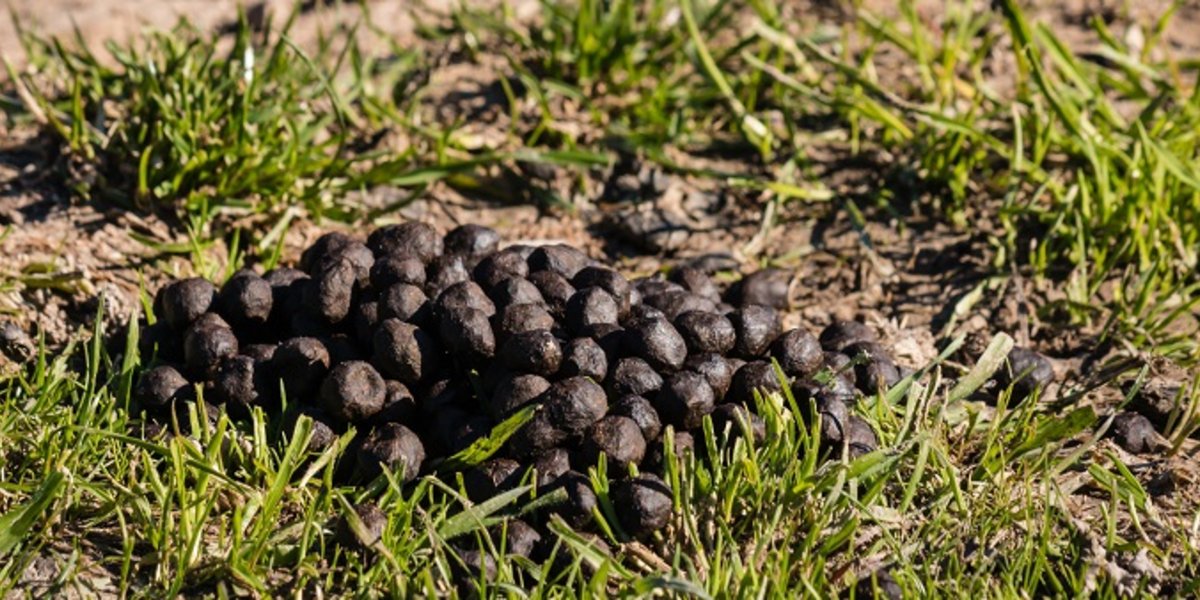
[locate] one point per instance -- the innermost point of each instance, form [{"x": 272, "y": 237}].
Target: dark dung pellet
[
  {"x": 1026, "y": 371},
  {"x": 735, "y": 417},
  {"x": 186, "y": 300},
  {"x": 706, "y": 332},
  {"x": 840, "y": 333},
  {"x": 471, "y": 240},
  {"x": 584, "y": 357},
  {"x": 393, "y": 446},
  {"x": 757, "y": 327},
  {"x": 467, "y": 334},
  {"x": 798, "y": 352},
  {"x": 515, "y": 392},
  {"x": 515, "y": 290},
  {"x": 617, "y": 437},
  {"x": 684, "y": 400},
  {"x": 397, "y": 269},
  {"x": 443, "y": 272},
  {"x": 642, "y": 412},
  {"x": 205, "y": 345},
  {"x": 353, "y": 392},
  {"x": 658, "y": 343},
  {"x": 716, "y": 370},
  {"x": 578, "y": 509},
  {"x": 491, "y": 477},
  {"x": 608, "y": 280},
  {"x": 643, "y": 503},
  {"x": 405, "y": 352},
  {"x": 555, "y": 289},
  {"x": 498, "y": 266},
  {"x": 874, "y": 372},
  {"x": 550, "y": 464},
  {"x": 301, "y": 363},
  {"x": 537, "y": 352},
  {"x": 591, "y": 306},
  {"x": 246, "y": 299},
  {"x": 756, "y": 375},
  {"x": 160, "y": 386},
  {"x": 767, "y": 287},
  {"x": 521, "y": 318},
  {"x": 574, "y": 404},
  {"x": 558, "y": 258},
  {"x": 413, "y": 238},
  {"x": 462, "y": 295},
  {"x": 633, "y": 376},
  {"x": 695, "y": 281},
  {"x": 406, "y": 302},
  {"x": 1134, "y": 432}
]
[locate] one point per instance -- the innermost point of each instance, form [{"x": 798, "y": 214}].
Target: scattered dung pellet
[
  {"x": 467, "y": 333},
  {"x": 558, "y": 258},
  {"x": 16, "y": 344},
  {"x": 633, "y": 377},
  {"x": 366, "y": 531},
  {"x": 186, "y": 300},
  {"x": 246, "y": 299},
  {"x": 353, "y": 392},
  {"x": 471, "y": 240},
  {"x": 326, "y": 245},
  {"x": 757, "y": 327},
  {"x": 874, "y": 372},
  {"x": 1133, "y": 432},
  {"x": 716, "y": 370},
  {"x": 608, "y": 280},
  {"x": 405, "y": 352},
  {"x": 443, "y": 272},
  {"x": 685, "y": 399},
  {"x": 655, "y": 461},
  {"x": 360, "y": 258},
  {"x": 642, "y": 312},
  {"x": 757, "y": 375},
  {"x": 392, "y": 446},
  {"x": 521, "y": 318},
  {"x": 160, "y": 386},
  {"x": 238, "y": 386},
  {"x": 537, "y": 352},
  {"x": 413, "y": 238},
  {"x": 610, "y": 336},
  {"x": 495, "y": 268},
  {"x": 515, "y": 392},
  {"x": 878, "y": 585},
  {"x": 301, "y": 363},
  {"x": 643, "y": 503},
  {"x": 798, "y": 352},
  {"x": 706, "y": 332},
  {"x": 581, "y": 502},
  {"x": 584, "y": 357},
  {"x": 323, "y": 435},
  {"x": 328, "y": 295},
  {"x": 537, "y": 435},
  {"x": 574, "y": 404},
  {"x": 840, "y": 334},
  {"x": 491, "y": 477},
  {"x": 734, "y": 416},
  {"x": 550, "y": 464},
  {"x": 516, "y": 290},
  {"x": 860, "y": 436},
  {"x": 205, "y": 345},
  {"x": 555, "y": 289},
  {"x": 397, "y": 269},
  {"x": 695, "y": 281},
  {"x": 405, "y": 302},
  {"x": 399, "y": 404},
  {"x": 642, "y": 412},
  {"x": 617, "y": 437},
  {"x": 466, "y": 294},
  {"x": 591, "y": 306},
  {"x": 1026, "y": 371},
  {"x": 768, "y": 287},
  {"x": 676, "y": 302},
  {"x": 520, "y": 538},
  {"x": 658, "y": 343}
]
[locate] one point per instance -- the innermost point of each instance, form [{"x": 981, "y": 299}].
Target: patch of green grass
[{"x": 960, "y": 499}]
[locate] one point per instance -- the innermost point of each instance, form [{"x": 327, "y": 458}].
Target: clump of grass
[{"x": 184, "y": 124}]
